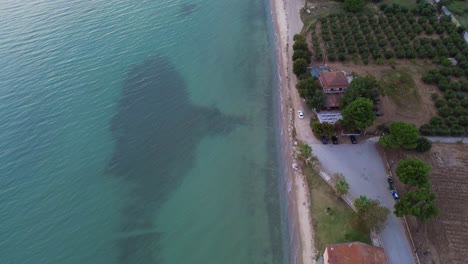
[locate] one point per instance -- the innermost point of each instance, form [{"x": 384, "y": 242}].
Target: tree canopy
[
  {"x": 311, "y": 91},
  {"x": 323, "y": 129},
  {"x": 341, "y": 185},
  {"x": 370, "y": 213},
  {"x": 316, "y": 100},
  {"x": 354, "y": 5},
  {"x": 401, "y": 135},
  {"x": 414, "y": 172},
  {"x": 423, "y": 144},
  {"x": 300, "y": 66},
  {"x": 366, "y": 87},
  {"x": 419, "y": 203},
  {"x": 359, "y": 114}
]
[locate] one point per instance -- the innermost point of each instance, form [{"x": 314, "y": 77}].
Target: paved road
[
  {"x": 363, "y": 169},
  {"x": 448, "y": 139}
]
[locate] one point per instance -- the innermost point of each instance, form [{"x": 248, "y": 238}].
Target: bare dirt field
[{"x": 444, "y": 239}]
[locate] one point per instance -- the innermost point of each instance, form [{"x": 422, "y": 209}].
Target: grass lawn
[
  {"x": 399, "y": 85},
  {"x": 336, "y": 226}
]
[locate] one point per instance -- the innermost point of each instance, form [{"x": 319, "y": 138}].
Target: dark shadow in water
[
  {"x": 187, "y": 9},
  {"x": 156, "y": 131}
]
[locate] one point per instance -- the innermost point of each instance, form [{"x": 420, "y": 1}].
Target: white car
[{"x": 300, "y": 114}]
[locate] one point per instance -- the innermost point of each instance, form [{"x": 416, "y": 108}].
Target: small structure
[
  {"x": 353, "y": 253},
  {"x": 445, "y": 11},
  {"x": 330, "y": 117},
  {"x": 333, "y": 82},
  {"x": 453, "y": 61}
]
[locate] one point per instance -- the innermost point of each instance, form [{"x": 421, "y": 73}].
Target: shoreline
[{"x": 302, "y": 237}]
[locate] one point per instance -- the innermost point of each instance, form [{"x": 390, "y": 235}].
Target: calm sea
[{"x": 139, "y": 131}]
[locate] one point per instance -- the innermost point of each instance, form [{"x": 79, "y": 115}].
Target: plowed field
[{"x": 445, "y": 239}]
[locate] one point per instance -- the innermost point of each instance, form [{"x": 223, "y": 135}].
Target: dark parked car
[
  {"x": 335, "y": 140},
  {"x": 353, "y": 139},
  {"x": 395, "y": 195},
  {"x": 390, "y": 183},
  {"x": 324, "y": 140}
]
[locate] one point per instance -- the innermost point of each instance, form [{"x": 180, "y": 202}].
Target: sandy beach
[{"x": 287, "y": 23}]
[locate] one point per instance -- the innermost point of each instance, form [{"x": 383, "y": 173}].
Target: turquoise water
[{"x": 139, "y": 132}]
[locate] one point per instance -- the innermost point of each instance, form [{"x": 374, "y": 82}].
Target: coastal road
[{"x": 364, "y": 170}]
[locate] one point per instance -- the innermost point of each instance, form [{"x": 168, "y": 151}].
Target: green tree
[
  {"x": 366, "y": 87},
  {"x": 323, "y": 129},
  {"x": 423, "y": 144},
  {"x": 300, "y": 67},
  {"x": 414, "y": 172},
  {"x": 341, "y": 185},
  {"x": 302, "y": 54},
  {"x": 305, "y": 151},
  {"x": 354, "y": 5},
  {"x": 300, "y": 45},
  {"x": 370, "y": 213},
  {"x": 419, "y": 203},
  {"x": 401, "y": 135},
  {"x": 311, "y": 91},
  {"x": 306, "y": 87},
  {"x": 359, "y": 114},
  {"x": 316, "y": 100},
  {"x": 299, "y": 37}
]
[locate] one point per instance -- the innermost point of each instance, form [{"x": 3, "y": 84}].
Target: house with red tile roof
[{"x": 333, "y": 82}]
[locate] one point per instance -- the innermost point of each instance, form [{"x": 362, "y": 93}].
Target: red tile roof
[
  {"x": 333, "y": 80},
  {"x": 355, "y": 253}
]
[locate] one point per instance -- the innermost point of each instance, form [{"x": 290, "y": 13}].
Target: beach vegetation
[
  {"x": 413, "y": 172},
  {"x": 370, "y": 213},
  {"x": 359, "y": 114},
  {"x": 402, "y": 135}
]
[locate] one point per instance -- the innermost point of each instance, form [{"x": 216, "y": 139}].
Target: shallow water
[{"x": 139, "y": 132}]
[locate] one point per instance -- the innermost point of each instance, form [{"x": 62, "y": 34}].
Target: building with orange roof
[
  {"x": 333, "y": 82},
  {"x": 354, "y": 253}
]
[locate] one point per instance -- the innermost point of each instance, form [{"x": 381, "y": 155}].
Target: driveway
[{"x": 363, "y": 169}]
